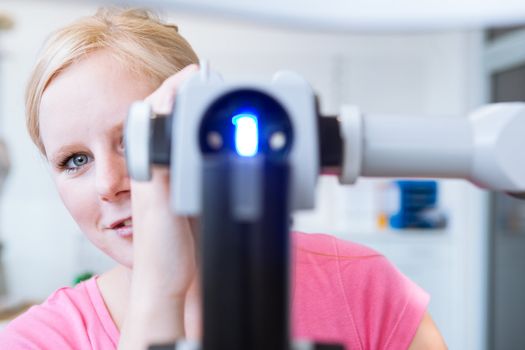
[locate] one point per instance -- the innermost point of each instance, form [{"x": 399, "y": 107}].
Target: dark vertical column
[
  {"x": 224, "y": 269},
  {"x": 270, "y": 246},
  {"x": 245, "y": 255},
  {"x": 507, "y": 241}
]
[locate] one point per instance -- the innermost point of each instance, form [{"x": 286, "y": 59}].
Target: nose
[{"x": 112, "y": 181}]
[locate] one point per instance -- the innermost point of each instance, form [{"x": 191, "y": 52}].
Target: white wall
[
  {"x": 39, "y": 236},
  {"x": 425, "y": 73}
]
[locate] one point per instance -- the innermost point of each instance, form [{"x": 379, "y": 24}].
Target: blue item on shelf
[{"x": 417, "y": 205}]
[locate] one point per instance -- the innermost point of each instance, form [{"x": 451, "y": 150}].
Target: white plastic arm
[{"x": 485, "y": 148}]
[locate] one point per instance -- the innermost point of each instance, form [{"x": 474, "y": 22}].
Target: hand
[
  {"x": 164, "y": 244},
  {"x": 164, "y": 249}
]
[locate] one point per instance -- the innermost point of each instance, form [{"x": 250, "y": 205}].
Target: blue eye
[
  {"x": 74, "y": 162},
  {"x": 77, "y": 161}
]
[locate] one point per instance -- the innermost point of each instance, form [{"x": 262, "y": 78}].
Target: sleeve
[
  {"x": 36, "y": 329},
  {"x": 68, "y": 319},
  {"x": 387, "y": 306}
]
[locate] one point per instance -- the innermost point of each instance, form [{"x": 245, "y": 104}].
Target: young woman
[{"x": 85, "y": 79}]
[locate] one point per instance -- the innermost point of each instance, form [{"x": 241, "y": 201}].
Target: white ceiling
[{"x": 357, "y": 15}]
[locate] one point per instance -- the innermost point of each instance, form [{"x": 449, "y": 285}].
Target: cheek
[{"x": 77, "y": 196}]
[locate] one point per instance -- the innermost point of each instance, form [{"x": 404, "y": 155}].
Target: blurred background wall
[{"x": 430, "y": 73}]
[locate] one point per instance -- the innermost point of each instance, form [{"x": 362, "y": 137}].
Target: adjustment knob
[{"x": 137, "y": 141}]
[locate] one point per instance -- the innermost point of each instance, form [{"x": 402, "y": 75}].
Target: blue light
[{"x": 246, "y": 134}]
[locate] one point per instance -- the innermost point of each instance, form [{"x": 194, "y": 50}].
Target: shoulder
[
  {"x": 329, "y": 244},
  {"x": 347, "y": 260},
  {"x": 354, "y": 266},
  {"x": 329, "y": 254},
  {"x": 361, "y": 287},
  {"x": 68, "y": 319}
]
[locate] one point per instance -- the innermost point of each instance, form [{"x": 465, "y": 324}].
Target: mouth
[{"x": 123, "y": 228}]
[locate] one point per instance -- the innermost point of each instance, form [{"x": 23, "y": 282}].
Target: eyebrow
[
  {"x": 62, "y": 152},
  {"x": 65, "y": 150}
]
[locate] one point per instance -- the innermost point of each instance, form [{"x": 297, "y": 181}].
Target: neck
[{"x": 115, "y": 284}]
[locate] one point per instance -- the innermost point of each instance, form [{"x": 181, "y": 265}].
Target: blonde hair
[{"x": 136, "y": 37}]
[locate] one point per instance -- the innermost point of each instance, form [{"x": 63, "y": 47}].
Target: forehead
[{"x": 88, "y": 97}]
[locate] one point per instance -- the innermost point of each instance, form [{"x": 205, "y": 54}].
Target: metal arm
[{"x": 484, "y": 148}]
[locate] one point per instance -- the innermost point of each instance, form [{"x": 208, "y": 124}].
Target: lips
[
  {"x": 123, "y": 227},
  {"x": 120, "y": 223}
]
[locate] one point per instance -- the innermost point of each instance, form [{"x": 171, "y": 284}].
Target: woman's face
[{"x": 81, "y": 125}]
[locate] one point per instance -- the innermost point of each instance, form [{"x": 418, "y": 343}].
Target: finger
[
  {"x": 162, "y": 99},
  {"x": 175, "y": 81}
]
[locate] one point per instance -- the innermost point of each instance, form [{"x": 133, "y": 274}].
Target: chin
[
  {"x": 123, "y": 257},
  {"x": 122, "y": 254}
]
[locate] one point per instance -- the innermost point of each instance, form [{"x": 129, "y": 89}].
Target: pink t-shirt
[{"x": 341, "y": 292}]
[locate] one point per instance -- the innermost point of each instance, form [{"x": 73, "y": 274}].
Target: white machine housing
[
  {"x": 196, "y": 96},
  {"x": 483, "y": 148}
]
